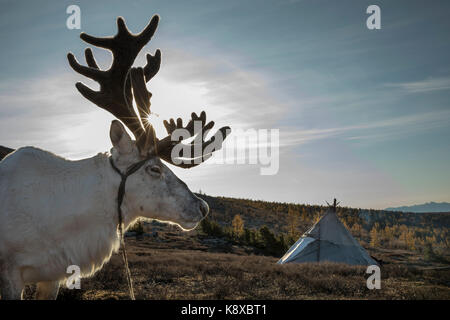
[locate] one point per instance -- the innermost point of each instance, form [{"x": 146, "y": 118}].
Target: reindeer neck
[{"x": 127, "y": 211}]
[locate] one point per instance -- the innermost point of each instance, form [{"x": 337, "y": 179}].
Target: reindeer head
[{"x": 153, "y": 191}]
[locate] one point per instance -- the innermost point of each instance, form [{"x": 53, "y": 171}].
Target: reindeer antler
[
  {"x": 115, "y": 88},
  {"x": 196, "y": 151},
  {"x": 118, "y": 85}
]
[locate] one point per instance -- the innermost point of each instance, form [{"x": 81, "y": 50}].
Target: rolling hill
[{"x": 257, "y": 213}]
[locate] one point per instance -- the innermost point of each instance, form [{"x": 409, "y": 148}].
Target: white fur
[
  {"x": 74, "y": 198},
  {"x": 55, "y": 213}
]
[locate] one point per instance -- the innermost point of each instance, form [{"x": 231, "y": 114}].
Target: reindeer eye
[{"x": 155, "y": 170}]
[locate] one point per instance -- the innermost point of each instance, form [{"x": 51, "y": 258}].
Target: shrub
[{"x": 211, "y": 228}]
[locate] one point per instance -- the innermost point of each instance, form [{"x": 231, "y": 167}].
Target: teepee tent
[{"x": 327, "y": 240}]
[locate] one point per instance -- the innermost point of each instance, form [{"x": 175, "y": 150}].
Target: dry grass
[
  {"x": 181, "y": 267},
  {"x": 197, "y": 274}
]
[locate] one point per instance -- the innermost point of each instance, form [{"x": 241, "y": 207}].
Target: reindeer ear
[{"x": 120, "y": 139}]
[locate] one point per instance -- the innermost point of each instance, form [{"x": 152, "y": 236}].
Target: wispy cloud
[
  {"x": 377, "y": 129},
  {"x": 226, "y": 91},
  {"x": 427, "y": 85},
  {"x": 48, "y": 111}
]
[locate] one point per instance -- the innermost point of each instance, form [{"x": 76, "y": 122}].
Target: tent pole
[{"x": 318, "y": 250}]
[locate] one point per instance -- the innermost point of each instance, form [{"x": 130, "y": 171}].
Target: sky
[{"x": 363, "y": 115}]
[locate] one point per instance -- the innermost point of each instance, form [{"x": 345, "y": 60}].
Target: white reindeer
[{"x": 55, "y": 212}]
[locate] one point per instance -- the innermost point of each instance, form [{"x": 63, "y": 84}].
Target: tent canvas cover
[{"x": 328, "y": 240}]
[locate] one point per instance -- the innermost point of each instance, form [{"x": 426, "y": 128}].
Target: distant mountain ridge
[{"x": 425, "y": 207}]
